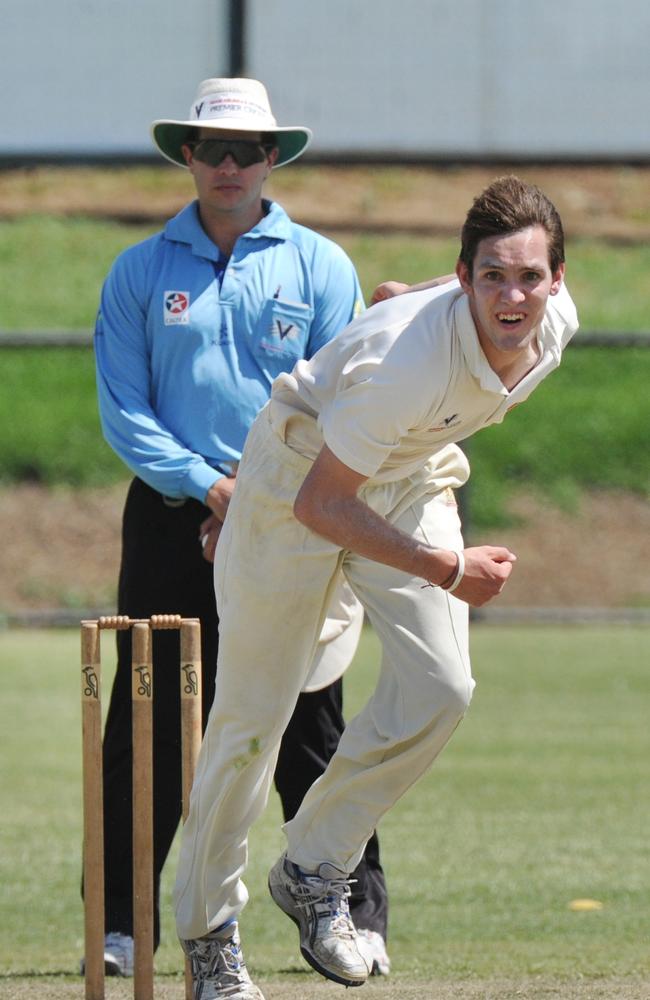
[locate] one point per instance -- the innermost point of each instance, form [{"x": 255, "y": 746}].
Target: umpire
[{"x": 194, "y": 324}]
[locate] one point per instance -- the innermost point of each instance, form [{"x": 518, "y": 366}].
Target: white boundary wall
[
  {"x": 430, "y": 78},
  {"x": 87, "y": 77}
]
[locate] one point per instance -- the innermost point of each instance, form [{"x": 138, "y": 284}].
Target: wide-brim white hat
[{"x": 230, "y": 104}]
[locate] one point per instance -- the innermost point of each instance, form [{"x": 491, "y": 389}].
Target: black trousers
[{"x": 163, "y": 571}]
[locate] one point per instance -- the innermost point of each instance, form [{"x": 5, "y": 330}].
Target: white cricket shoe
[
  {"x": 318, "y": 904},
  {"x": 218, "y": 968},
  {"x": 118, "y": 955},
  {"x": 373, "y": 946}
]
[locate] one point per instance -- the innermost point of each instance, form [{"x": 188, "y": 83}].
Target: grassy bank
[
  {"x": 586, "y": 427},
  {"x": 52, "y": 269}
]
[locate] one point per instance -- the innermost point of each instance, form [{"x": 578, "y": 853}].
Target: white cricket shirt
[{"x": 404, "y": 380}]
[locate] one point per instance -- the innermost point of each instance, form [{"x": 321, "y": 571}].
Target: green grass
[
  {"x": 51, "y": 271},
  {"x": 540, "y": 798},
  {"x": 48, "y": 408},
  {"x": 609, "y": 285},
  {"x": 586, "y": 427},
  {"x": 52, "y": 268}
]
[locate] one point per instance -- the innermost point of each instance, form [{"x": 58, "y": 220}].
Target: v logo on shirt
[{"x": 284, "y": 331}]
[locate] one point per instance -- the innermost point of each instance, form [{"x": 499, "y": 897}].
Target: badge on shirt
[
  {"x": 451, "y": 421},
  {"x": 176, "y": 308}
]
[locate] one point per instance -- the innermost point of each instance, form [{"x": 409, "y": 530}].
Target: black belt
[{"x": 174, "y": 501}]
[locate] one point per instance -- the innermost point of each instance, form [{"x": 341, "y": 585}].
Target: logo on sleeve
[{"x": 176, "y": 308}]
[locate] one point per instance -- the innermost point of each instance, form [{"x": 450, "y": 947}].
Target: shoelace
[
  {"x": 333, "y": 895},
  {"x": 219, "y": 964}
]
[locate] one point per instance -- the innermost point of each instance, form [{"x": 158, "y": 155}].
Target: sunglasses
[{"x": 244, "y": 152}]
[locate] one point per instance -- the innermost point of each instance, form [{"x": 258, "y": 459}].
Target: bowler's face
[{"x": 510, "y": 284}]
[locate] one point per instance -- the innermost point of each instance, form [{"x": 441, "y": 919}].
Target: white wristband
[{"x": 460, "y": 572}]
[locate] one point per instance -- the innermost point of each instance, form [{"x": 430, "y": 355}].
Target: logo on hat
[
  {"x": 176, "y": 307},
  {"x": 237, "y": 104}
]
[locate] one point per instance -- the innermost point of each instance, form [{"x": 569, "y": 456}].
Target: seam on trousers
[{"x": 452, "y": 625}]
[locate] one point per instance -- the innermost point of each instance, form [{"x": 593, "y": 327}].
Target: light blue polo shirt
[{"x": 186, "y": 350}]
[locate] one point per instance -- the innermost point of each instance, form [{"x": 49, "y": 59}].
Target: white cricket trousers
[{"x": 273, "y": 580}]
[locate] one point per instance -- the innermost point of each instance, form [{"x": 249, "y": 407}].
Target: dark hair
[
  {"x": 191, "y": 136},
  {"x": 509, "y": 205}
]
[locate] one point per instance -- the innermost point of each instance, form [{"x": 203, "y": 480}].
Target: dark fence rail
[
  {"x": 70, "y": 617},
  {"x": 19, "y": 339},
  {"x": 84, "y": 338}
]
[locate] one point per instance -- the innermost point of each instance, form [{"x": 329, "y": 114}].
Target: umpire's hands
[
  {"x": 218, "y": 496},
  {"x": 217, "y": 499},
  {"x": 209, "y": 536}
]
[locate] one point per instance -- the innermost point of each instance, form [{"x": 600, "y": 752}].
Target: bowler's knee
[{"x": 455, "y": 695}]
